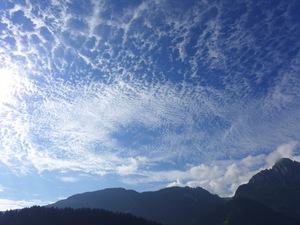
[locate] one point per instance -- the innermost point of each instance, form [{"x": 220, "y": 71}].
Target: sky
[{"x": 144, "y": 94}]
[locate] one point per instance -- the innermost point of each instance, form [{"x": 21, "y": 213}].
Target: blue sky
[{"x": 144, "y": 94}]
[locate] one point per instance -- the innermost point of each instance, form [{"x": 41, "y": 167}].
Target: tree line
[{"x": 38, "y": 215}]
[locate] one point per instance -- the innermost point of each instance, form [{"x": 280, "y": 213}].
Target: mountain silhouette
[
  {"x": 175, "y": 205},
  {"x": 243, "y": 211},
  {"x": 37, "y": 215},
  {"x": 271, "y": 197},
  {"x": 277, "y": 188}
]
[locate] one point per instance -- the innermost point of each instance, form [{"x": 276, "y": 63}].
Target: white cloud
[
  {"x": 2, "y": 189},
  {"x": 283, "y": 151},
  {"x": 222, "y": 177},
  {"x": 131, "y": 166},
  {"x": 69, "y": 179},
  {"x": 254, "y": 161},
  {"x": 7, "y": 204},
  {"x": 79, "y": 95}
]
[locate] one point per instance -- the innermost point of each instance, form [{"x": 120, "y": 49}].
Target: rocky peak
[
  {"x": 287, "y": 166},
  {"x": 277, "y": 187}
]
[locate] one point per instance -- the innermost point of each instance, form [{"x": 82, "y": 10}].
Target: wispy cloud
[
  {"x": 112, "y": 90},
  {"x": 7, "y": 204},
  {"x": 2, "y": 188},
  {"x": 69, "y": 179}
]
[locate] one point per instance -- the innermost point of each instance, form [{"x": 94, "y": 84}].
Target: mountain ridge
[
  {"x": 277, "y": 188},
  {"x": 276, "y": 191},
  {"x": 181, "y": 203}
]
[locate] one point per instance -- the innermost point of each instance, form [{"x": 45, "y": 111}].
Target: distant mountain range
[
  {"x": 173, "y": 205},
  {"x": 272, "y": 197}
]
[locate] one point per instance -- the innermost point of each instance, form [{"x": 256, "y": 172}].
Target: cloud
[
  {"x": 2, "y": 189},
  {"x": 114, "y": 90},
  {"x": 74, "y": 119},
  {"x": 283, "y": 151},
  {"x": 253, "y": 161},
  {"x": 69, "y": 179},
  {"x": 131, "y": 166},
  {"x": 221, "y": 177},
  {"x": 7, "y": 204}
]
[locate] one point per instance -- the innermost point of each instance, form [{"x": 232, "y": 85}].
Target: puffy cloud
[
  {"x": 254, "y": 161},
  {"x": 218, "y": 179},
  {"x": 225, "y": 176},
  {"x": 283, "y": 151},
  {"x": 131, "y": 166}
]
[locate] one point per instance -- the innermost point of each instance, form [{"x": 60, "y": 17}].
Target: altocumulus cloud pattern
[{"x": 198, "y": 93}]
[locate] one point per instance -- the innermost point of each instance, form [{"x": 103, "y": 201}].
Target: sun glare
[{"x": 7, "y": 84}]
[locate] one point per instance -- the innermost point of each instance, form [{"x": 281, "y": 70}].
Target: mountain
[
  {"x": 271, "y": 197},
  {"x": 174, "y": 206},
  {"x": 278, "y": 187},
  {"x": 246, "y": 212},
  {"x": 49, "y": 216}
]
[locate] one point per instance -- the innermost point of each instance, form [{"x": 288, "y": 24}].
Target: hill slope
[
  {"x": 175, "y": 206},
  {"x": 52, "y": 216},
  {"x": 271, "y": 197},
  {"x": 246, "y": 212}
]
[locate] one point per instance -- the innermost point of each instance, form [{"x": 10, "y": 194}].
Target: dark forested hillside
[
  {"x": 242, "y": 211},
  {"x": 52, "y": 216}
]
